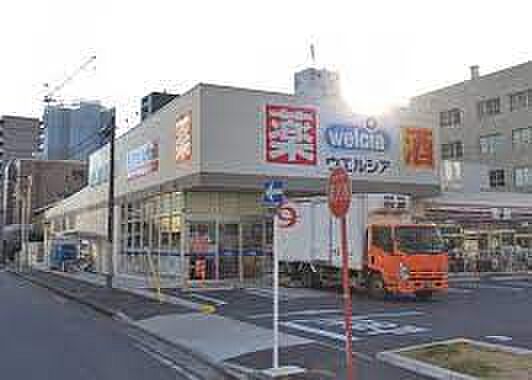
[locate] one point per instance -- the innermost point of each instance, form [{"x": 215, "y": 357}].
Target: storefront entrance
[{"x": 227, "y": 249}]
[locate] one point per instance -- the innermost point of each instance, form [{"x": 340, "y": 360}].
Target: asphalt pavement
[
  {"x": 490, "y": 310},
  {"x": 45, "y": 336}
]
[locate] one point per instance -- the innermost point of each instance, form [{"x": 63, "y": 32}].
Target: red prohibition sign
[
  {"x": 339, "y": 192},
  {"x": 286, "y": 216}
]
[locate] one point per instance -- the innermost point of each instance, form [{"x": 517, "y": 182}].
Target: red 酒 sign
[{"x": 339, "y": 192}]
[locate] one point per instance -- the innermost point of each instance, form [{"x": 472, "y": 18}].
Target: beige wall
[
  {"x": 227, "y": 204},
  {"x": 232, "y": 139},
  {"x": 160, "y": 127},
  {"x": 227, "y": 136}
]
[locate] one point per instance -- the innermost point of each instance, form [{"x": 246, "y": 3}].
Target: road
[
  {"x": 45, "y": 336},
  {"x": 495, "y": 311}
]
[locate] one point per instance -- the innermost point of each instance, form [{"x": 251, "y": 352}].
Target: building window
[
  {"x": 522, "y": 136},
  {"x": 497, "y": 178},
  {"x": 488, "y": 107},
  {"x": 451, "y": 118},
  {"x": 491, "y": 144},
  {"x": 520, "y": 100},
  {"x": 452, "y": 150},
  {"x": 523, "y": 176}
]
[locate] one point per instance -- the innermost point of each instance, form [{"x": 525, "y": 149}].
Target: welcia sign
[
  {"x": 361, "y": 145},
  {"x": 366, "y": 137}
]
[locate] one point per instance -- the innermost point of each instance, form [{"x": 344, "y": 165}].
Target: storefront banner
[
  {"x": 364, "y": 146},
  {"x": 183, "y": 132},
  {"x": 99, "y": 166},
  {"x": 291, "y": 135},
  {"x": 417, "y": 148},
  {"x": 143, "y": 160},
  {"x": 317, "y": 137}
]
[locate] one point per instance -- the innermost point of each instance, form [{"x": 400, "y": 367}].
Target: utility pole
[
  {"x": 29, "y": 187},
  {"x": 111, "y": 132},
  {"x": 18, "y": 257}
]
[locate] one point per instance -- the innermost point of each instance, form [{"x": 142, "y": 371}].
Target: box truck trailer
[{"x": 388, "y": 252}]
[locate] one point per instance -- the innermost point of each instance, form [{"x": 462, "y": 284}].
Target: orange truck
[{"x": 388, "y": 253}]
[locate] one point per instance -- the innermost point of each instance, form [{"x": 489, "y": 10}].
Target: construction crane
[{"x": 49, "y": 97}]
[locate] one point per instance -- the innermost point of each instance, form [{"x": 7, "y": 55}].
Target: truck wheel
[
  {"x": 376, "y": 287},
  {"x": 311, "y": 279},
  {"x": 315, "y": 280},
  {"x": 424, "y": 296}
]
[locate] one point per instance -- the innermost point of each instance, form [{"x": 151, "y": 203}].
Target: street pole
[
  {"x": 19, "y": 263},
  {"x": 28, "y": 220},
  {"x": 347, "y": 301},
  {"x": 275, "y": 305},
  {"x": 111, "y": 202},
  {"x": 339, "y": 197}
]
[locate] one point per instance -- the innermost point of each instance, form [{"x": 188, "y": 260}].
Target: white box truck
[{"x": 388, "y": 253}]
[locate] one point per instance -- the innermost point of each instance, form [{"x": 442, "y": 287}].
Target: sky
[{"x": 385, "y": 51}]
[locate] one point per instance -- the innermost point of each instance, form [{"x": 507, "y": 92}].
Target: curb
[
  {"x": 118, "y": 315},
  {"x": 395, "y": 358},
  {"x": 72, "y": 296}
]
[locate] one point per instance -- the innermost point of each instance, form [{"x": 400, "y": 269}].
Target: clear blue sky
[{"x": 386, "y": 51}]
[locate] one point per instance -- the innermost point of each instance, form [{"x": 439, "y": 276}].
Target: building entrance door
[
  {"x": 253, "y": 248},
  {"x": 202, "y": 250},
  {"x": 229, "y": 250}
]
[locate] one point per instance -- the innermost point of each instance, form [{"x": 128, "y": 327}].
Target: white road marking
[
  {"x": 363, "y": 327},
  {"x": 460, "y": 291},
  {"x": 213, "y": 300},
  {"x": 499, "y": 338},
  {"x": 302, "y": 313},
  {"x": 316, "y": 331},
  {"x": 498, "y": 287},
  {"x": 166, "y": 362},
  {"x": 407, "y": 313}
]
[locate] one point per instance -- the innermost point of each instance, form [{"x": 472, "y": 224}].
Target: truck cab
[{"x": 406, "y": 259}]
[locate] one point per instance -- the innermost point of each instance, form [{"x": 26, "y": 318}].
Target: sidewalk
[
  {"x": 112, "y": 302},
  {"x": 187, "y": 329}
]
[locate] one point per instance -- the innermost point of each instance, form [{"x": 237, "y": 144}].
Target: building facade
[
  {"x": 20, "y": 137},
  {"x": 153, "y": 102},
  {"x": 73, "y": 132},
  {"x": 190, "y": 179},
  {"x": 487, "y": 120},
  {"x": 30, "y": 185}
]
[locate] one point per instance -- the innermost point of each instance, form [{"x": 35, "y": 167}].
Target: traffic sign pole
[
  {"x": 339, "y": 196},
  {"x": 273, "y": 198},
  {"x": 347, "y": 301},
  {"x": 275, "y": 306}
]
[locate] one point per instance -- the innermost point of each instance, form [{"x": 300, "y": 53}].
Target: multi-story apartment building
[
  {"x": 19, "y": 137},
  {"x": 487, "y": 120},
  {"x": 73, "y": 132}
]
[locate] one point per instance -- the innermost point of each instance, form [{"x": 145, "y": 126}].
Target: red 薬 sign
[{"x": 339, "y": 192}]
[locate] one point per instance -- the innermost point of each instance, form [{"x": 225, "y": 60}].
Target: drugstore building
[{"x": 190, "y": 178}]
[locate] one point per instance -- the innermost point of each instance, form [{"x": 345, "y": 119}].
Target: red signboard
[
  {"x": 183, "y": 143},
  {"x": 291, "y": 135},
  {"x": 286, "y": 216},
  {"x": 339, "y": 192},
  {"x": 418, "y": 152}
]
